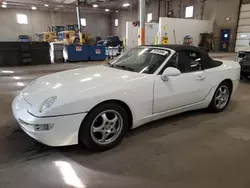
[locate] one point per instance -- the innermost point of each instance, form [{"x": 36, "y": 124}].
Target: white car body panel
[
  {"x": 89, "y": 89},
  {"x": 212, "y": 78},
  {"x": 147, "y": 95},
  {"x": 64, "y": 132},
  {"x": 179, "y": 91}
]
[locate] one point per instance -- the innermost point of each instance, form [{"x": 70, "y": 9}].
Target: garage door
[{"x": 243, "y": 33}]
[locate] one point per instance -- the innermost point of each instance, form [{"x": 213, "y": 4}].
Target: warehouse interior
[{"x": 192, "y": 149}]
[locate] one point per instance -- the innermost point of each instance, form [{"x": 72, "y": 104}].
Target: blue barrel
[
  {"x": 97, "y": 53},
  {"x": 77, "y": 52}
]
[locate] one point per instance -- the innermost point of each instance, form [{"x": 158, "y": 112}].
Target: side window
[
  {"x": 189, "y": 61},
  {"x": 185, "y": 61},
  {"x": 153, "y": 61},
  {"x": 195, "y": 62},
  {"x": 172, "y": 62}
]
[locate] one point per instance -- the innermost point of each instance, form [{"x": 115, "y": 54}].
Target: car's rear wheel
[
  {"x": 104, "y": 127},
  {"x": 221, "y": 97}
]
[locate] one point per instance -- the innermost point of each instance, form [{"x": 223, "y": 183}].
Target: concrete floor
[{"x": 194, "y": 149}]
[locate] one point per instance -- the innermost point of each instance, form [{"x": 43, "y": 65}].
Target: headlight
[{"x": 47, "y": 103}]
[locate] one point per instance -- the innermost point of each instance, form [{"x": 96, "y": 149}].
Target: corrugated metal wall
[{"x": 243, "y": 33}]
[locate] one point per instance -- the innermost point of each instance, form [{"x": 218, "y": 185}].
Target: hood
[{"x": 67, "y": 82}]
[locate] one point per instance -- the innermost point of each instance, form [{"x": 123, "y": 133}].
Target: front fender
[{"x": 137, "y": 95}]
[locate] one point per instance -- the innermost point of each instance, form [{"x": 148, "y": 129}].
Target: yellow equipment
[
  {"x": 124, "y": 43},
  {"x": 67, "y": 37},
  {"x": 47, "y": 36},
  {"x": 72, "y": 37},
  {"x": 156, "y": 40},
  {"x": 87, "y": 39},
  {"x": 164, "y": 40}
]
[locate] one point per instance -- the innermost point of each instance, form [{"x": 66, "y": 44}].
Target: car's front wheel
[
  {"x": 221, "y": 97},
  {"x": 104, "y": 127}
]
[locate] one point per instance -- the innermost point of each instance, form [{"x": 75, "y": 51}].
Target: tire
[
  {"x": 100, "y": 123},
  {"x": 214, "y": 105}
]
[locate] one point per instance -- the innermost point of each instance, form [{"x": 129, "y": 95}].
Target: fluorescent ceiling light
[
  {"x": 107, "y": 10},
  {"x": 125, "y": 4},
  {"x": 4, "y": 3},
  {"x": 46, "y": 5},
  {"x": 16, "y": 77},
  {"x": 21, "y": 84},
  {"x": 4, "y": 6},
  {"x": 33, "y": 8},
  {"x": 7, "y": 72},
  {"x": 95, "y": 5}
]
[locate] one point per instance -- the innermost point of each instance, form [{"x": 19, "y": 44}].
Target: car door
[{"x": 188, "y": 88}]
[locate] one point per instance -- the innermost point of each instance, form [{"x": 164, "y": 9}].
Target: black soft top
[{"x": 206, "y": 61}]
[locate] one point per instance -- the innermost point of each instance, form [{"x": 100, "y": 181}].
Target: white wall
[
  {"x": 183, "y": 27},
  {"x": 39, "y": 21},
  {"x": 151, "y": 31},
  {"x": 215, "y": 10},
  {"x": 123, "y": 17},
  {"x": 98, "y": 24}
]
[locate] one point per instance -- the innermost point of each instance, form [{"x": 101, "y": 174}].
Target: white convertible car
[{"x": 98, "y": 104}]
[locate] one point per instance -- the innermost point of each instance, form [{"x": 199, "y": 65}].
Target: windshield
[{"x": 141, "y": 59}]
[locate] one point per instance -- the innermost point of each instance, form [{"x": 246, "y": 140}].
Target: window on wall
[
  {"x": 149, "y": 17},
  {"x": 83, "y": 22},
  {"x": 189, "y": 12},
  {"x": 22, "y": 18},
  {"x": 116, "y": 22}
]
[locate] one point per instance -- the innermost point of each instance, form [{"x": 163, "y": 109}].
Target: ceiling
[{"x": 69, "y": 5}]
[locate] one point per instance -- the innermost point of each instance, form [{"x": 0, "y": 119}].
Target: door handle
[{"x": 200, "y": 78}]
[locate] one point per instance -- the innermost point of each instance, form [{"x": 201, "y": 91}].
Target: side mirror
[{"x": 170, "y": 71}]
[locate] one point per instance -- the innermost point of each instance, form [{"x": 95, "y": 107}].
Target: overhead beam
[{"x": 54, "y": 4}]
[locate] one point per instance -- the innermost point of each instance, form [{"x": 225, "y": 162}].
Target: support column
[
  {"x": 141, "y": 40},
  {"x": 78, "y": 15}
]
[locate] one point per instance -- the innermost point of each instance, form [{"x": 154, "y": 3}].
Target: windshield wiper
[{"x": 124, "y": 67}]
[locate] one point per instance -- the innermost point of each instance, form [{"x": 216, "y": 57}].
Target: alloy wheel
[
  {"x": 106, "y": 127},
  {"x": 222, "y": 97}
]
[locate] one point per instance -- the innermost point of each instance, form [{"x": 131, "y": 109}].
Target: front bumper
[{"x": 64, "y": 131}]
